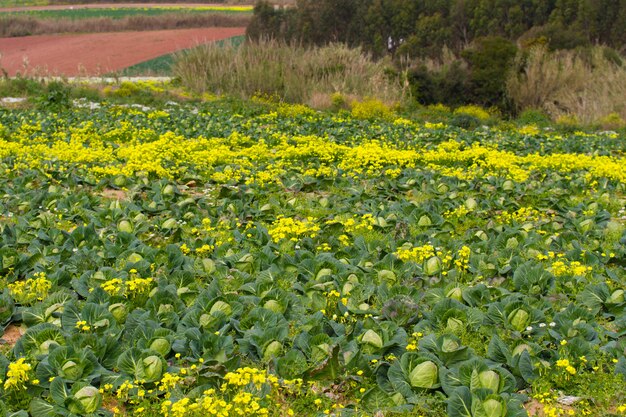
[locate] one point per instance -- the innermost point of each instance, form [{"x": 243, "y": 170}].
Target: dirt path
[
  {"x": 106, "y": 6},
  {"x": 98, "y": 53}
]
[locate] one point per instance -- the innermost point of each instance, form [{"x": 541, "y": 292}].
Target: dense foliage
[
  {"x": 456, "y": 51},
  {"x": 424, "y": 27},
  {"x": 272, "y": 260}
]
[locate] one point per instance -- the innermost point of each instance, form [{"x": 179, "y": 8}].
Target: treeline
[
  {"x": 424, "y": 27},
  {"x": 460, "y": 52}
]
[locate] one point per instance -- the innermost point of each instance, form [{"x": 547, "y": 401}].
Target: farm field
[
  {"x": 119, "y": 11},
  {"x": 15, "y": 5},
  {"x": 99, "y": 53},
  {"x": 254, "y": 258}
]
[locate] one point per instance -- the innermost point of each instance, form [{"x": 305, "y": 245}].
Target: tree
[{"x": 489, "y": 62}]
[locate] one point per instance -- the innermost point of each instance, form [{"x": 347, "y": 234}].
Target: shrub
[
  {"x": 612, "y": 121},
  {"x": 56, "y": 96},
  {"x": 489, "y": 61},
  {"x": 371, "y": 109},
  {"x": 473, "y": 111},
  {"x": 533, "y": 116}
]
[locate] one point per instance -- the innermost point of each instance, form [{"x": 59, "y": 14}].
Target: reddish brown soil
[
  {"x": 98, "y": 53},
  {"x": 12, "y": 334},
  {"x": 104, "y": 6}
]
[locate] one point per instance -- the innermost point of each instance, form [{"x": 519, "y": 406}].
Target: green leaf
[
  {"x": 460, "y": 403},
  {"x": 525, "y": 367},
  {"x": 375, "y": 399},
  {"x": 40, "y": 408}
]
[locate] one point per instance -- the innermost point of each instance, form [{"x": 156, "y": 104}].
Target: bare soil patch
[
  {"x": 99, "y": 53},
  {"x": 114, "y": 194},
  {"x": 12, "y": 334}
]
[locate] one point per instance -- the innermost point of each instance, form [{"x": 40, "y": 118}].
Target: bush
[
  {"x": 465, "y": 121},
  {"x": 612, "y": 121},
  {"x": 447, "y": 83},
  {"x": 533, "y": 117},
  {"x": 56, "y": 96},
  {"x": 473, "y": 111},
  {"x": 489, "y": 61},
  {"x": 371, "y": 109}
]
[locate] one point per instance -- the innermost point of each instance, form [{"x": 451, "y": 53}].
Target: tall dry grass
[
  {"x": 568, "y": 83},
  {"x": 294, "y": 73},
  {"x": 27, "y": 25}
]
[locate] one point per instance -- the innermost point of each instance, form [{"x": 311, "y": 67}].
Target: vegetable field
[
  {"x": 228, "y": 259},
  {"x": 121, "y": 12}
]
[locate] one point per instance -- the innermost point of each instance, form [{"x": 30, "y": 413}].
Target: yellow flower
[
  {"x": 562, "y": 363},
  {"x": 17, "y": 374}
]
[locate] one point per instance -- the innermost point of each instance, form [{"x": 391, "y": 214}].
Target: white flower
[
  {"x": 529, "y": 329},
  {"x": 542, "y": 325},
  {"x": 552, "y": 324}
]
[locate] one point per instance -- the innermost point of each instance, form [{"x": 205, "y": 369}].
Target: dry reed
[
  {"x": 291, "y": 72},
  {"x": 566, "y": 83}
]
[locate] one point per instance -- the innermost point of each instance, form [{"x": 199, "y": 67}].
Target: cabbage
[
  {"x": 433, "y": 266},
  {"x": 424, "y": 375},
  {"x": 273, "y": 305},
  {"x": 134, "y": 258},
  {"x": 119, "y": 312},
  {"x": 471, "y": 203},
  {"x": 519, "y": 319},
  {"x": 44, "y": 348},
  {"x": 454, "y": 324},
  {"x": 386, "y": 275},
  {"x": 169, "y": 224},
  {"x": 53, "y": 313},
  {"x": 489, "y": 380},
  {"x": 521, "y": 348},
  {"x": 449, "y": 345},
  {"x": 493, "y": 408},
  {"x": 161, "y": 345},
  {"x": 617, "y": 297},
  {"x": 274, "y": 349},
  {"x": 168, "y": 190},
  {"x": 125, "y": 226},
  {"x": 222, "y": 307},
  {"x": 372, "y": 338},
  {"x": 153, "y": 367},
  {"x": 71, "y": 370},
  {"x": 424, "y": 221},
  {"x": 324, "y": 272},
  {"x": 88, "y": 400},
  {"x": 456, "y": 294}
]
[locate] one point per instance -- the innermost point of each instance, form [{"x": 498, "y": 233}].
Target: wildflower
[{"x": 17, "y": 374}]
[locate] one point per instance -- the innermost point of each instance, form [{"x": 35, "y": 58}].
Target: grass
[
  {"x": 23, "y": 3},
  {"x": 571, "y": 87},
  {"x": 162, "y": 65},
  {"x": 287, "y": 71}
]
